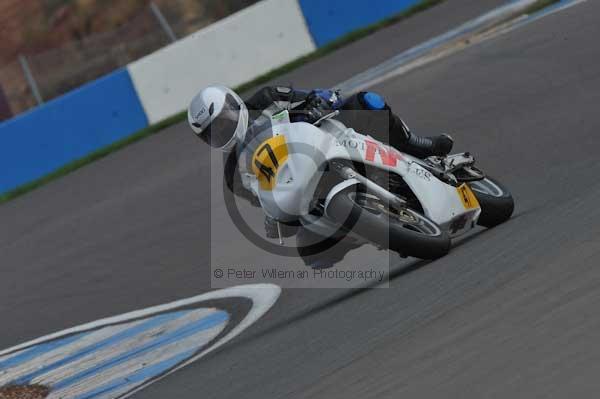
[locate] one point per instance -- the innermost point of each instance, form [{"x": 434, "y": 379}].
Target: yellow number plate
[
  {"x": 467, "y": 197},
  {"x": 267, "y": 159}
]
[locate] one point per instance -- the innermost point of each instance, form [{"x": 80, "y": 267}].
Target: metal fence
[{"x": 34, "y": 78}]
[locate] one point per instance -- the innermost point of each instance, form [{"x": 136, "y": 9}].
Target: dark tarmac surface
[{"x": 510, "y": 312}]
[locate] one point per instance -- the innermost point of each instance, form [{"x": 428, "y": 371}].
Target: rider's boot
[
  {"x": 423, "y": 147},
  {"x": 400, "y": 135}
]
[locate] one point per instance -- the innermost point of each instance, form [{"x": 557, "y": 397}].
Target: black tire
[
  {"x": 497, "y": 204},
  {"x": 389, "y": 231}
]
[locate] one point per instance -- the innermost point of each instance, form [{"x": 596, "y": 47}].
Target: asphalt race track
[{"x": 510, "y": 312}]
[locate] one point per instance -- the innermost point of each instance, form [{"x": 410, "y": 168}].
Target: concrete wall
[{"x": 230, "y": 52}]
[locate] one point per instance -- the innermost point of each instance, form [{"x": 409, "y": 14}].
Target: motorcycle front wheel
[
  {"x": 402, "y": 230},
  {"x": 497, "y": 204}
]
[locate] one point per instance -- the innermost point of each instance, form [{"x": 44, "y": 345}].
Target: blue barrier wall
[
  {"x": 331, "y": 19},
  {"x": 68, "y": 128}
]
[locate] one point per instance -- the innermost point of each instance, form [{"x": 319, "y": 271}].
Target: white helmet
[{"x": 219, "y": 117}]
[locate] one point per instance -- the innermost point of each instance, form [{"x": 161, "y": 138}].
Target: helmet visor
[{"x": 220, "y": 131}]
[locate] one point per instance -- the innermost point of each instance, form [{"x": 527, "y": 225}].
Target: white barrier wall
[{"x": 230, "y": 52}]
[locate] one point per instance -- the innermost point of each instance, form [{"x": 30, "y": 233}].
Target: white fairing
[
  {"x": 297, "y": 178},
  {"x": 310, "y": 148}
]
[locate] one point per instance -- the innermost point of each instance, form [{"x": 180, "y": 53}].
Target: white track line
[{"x": 263, "y": 297}]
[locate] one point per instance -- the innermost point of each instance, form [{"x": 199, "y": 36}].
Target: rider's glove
[
  {"x": 321, "y": 102},
  {"x": 315, "y": 106}
]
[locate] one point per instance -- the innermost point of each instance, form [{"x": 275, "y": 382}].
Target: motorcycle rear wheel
[{"x": 404, "y": 230}]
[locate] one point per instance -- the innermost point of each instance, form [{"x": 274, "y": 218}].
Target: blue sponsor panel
[
  {"x": 329, "y": 20},
  {"x": 68, "y": 128}
]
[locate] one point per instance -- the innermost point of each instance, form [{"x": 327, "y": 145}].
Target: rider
[{"x": 223, "y": 120}]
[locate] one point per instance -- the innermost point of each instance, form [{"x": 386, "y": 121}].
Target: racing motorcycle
[{"x": 338, "y": 182}]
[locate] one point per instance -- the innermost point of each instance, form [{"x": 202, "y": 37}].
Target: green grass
[
  {"x": 319, "y": 53},
  {"x": 539, "y": 5}
]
